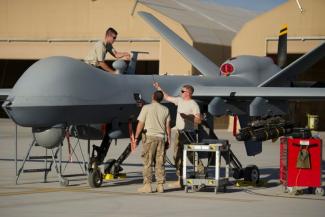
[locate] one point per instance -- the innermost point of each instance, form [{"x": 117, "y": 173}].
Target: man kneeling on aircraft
[
  {"x": 187, "y": 120},
  {"x": 155, "y": 120},
  {"x": 96, "y": 56}
]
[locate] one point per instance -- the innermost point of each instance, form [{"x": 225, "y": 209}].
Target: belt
[
  {"x": 188, "y": 131},
  {"x": 158, "y": 136}
]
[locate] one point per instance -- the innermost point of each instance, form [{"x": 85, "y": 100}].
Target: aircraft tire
[
  {"x": 319, "y": 191},
  {"x": 95, "y": 178},
  {"x": 252, "y": 174},
  {"x": 237, "y": 173}
]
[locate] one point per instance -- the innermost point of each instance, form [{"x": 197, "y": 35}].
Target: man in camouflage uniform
[
  {"x": 155, "y": 119},
  {"x": 187, "y": 120}
]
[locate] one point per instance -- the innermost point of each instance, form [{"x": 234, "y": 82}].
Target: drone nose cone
[
  {"x": 57, "y": 77},
  {"x": 53, "y": 84}
]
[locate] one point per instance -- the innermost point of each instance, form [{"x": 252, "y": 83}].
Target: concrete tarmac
[{"x": 32, "y": 197}]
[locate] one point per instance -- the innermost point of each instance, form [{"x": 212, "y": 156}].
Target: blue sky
[{"x": 253, "y": 5}]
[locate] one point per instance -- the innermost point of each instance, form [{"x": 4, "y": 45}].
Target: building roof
[{"x": 205, "y": 22}]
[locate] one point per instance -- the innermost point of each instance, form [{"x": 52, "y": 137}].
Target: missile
[{"x": 262, "y": 130}]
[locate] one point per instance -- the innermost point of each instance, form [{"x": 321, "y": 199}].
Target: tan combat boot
[
  {"x": 145, "y": 189},
  {"x": 176, "y": 184},
  {"x": 160, "y": 188}
]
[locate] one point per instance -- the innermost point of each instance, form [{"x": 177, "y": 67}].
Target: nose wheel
[{"x": 95, "y": 178}]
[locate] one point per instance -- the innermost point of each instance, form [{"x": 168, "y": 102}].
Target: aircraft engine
[{"x": 49, "y": 137}]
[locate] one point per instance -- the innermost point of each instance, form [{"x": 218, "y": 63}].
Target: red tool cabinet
[{"x": 290, "y": 175}]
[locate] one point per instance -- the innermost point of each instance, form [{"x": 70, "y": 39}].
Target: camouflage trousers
[
  {"x": 153, "y": 151},
  {"x": 180, "y": 140}
]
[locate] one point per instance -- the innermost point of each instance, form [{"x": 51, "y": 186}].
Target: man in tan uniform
[
  {"x": 96, "y": 56},
  {"x": 187, "y": 119},
  {"x": 155, "y": 119}
]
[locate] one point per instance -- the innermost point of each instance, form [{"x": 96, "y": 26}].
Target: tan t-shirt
[
  {"x": 98, "y": 52},
  {"x": 154, "y": 116},
  {"x": 188, "y": 107}
]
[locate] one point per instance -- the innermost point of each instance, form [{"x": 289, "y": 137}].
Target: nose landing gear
[{"x": 112, "y": 169}]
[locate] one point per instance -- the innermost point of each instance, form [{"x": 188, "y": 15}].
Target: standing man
[
  {"x": 96, "y": 56},
  {"x": 155, "y": 119},
  {"x": 187, "y": 119}
]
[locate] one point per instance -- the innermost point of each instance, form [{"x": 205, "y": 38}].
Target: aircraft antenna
[{"x": 299, "y": 6}]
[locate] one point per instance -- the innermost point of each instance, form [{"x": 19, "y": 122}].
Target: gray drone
[{"x": 57, "y": 93}]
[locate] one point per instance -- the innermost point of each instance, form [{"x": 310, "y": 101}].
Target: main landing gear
[{"x": 250, "y": 173}]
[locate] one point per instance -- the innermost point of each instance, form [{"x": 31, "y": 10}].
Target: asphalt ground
[{"x": 32, "y": 197}]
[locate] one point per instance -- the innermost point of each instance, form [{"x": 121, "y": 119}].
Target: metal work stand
[
  {"x": 83, "y": 164},
  {"x": 195, "y": 182},
  {"x": 49, "y": 160},
  {"x": 48, "y": 164}
]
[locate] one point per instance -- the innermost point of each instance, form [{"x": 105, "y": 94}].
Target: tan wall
[
  {"x": 252, "y": 37},
  {"x": 83, "y": 19}
]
